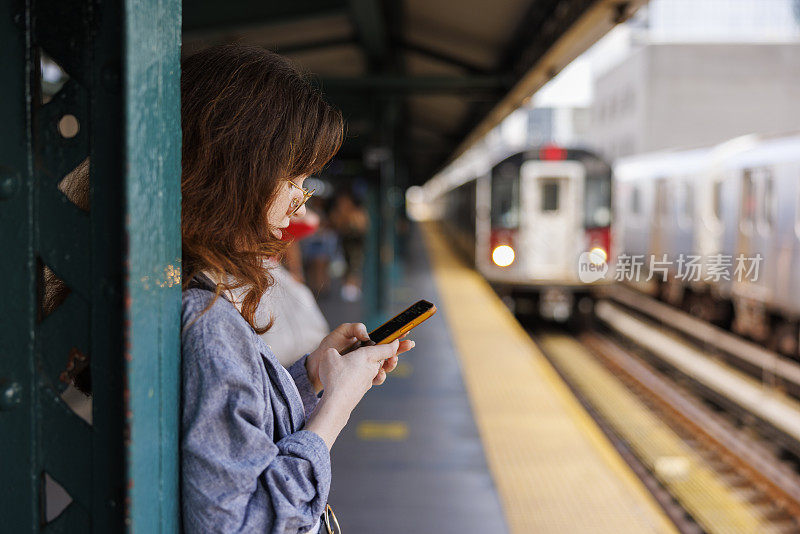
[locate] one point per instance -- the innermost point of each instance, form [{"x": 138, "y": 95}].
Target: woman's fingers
[
  {"x": 351, "y": 330},
  {"x": 389, "y": 364},
  {"x": 359, "y": 330},
  {"x": 345, "y": 335},
  {"x": 405, "y": 346},
  {"x": 376, "y": 353},
  {"x": 380, "y": 378}
]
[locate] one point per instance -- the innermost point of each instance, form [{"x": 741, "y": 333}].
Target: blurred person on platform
[
  {"x": 318, "y": 250},
  {"x": 349, "y": 219}
]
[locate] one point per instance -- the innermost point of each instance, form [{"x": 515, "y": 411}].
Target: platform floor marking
[
  {"x": 382, "y": 430},
  {"x": 554, "y": 469},
  {"x": 403, "y": 370}
]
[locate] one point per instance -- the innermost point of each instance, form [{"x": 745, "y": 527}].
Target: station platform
[{"x": 475, "y": 432}]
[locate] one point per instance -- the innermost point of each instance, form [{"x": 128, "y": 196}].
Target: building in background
[
  {"x": 530, "y": 126},
  {"x": 679, "y": 74},
  {"x": 688, "y": 73}
]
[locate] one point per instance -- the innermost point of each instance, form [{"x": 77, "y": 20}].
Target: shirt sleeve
[
  {"x": 304, "y": 386},
  {"x": 234, "y": 477}
]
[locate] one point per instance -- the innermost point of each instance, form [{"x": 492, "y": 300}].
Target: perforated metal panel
[{"x": 89, "y": 280}]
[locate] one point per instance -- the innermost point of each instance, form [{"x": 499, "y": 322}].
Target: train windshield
[
  {"x": 505, "y": 196},
  {"x": 597, "y": 202}
]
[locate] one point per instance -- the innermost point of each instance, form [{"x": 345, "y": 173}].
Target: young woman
[{"x": 255, "y": 438}]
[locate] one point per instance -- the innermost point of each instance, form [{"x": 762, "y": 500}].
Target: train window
[
  {"x": 636, "y": 201},
  {"x": 797, "y": 212},
  {"x": 748, "y": 197},
  {"x": 767, "y": 211},
  {"x": 550, "y": 193},
  {"x": 505, "y": 196},
  {"x": 663, "y": 200},
  {"x": 597, "y": 201},
  {"x": 716, "y": 199},
  {"x": 687, "y": 200}
]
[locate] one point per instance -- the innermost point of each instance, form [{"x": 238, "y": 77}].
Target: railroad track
[
  {"x": 778, "y": 372},
  {"x": 708, "y": 474}
]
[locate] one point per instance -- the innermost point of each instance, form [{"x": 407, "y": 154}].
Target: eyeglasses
[{"x": 297, "y": 204}]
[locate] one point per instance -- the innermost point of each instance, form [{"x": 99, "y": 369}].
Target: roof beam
[
  {"x": 213, "y": 15},
  {"x": 443, "y": 57},
  {"x": 368, "y": 19},
  {"x": 316, "y": 45},
  {"x": 417, "y": 84}
]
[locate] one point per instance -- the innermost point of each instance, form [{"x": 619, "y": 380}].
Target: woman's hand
[
  {"x": 346, "y": 378},
  {"x": 390, "y": 363},
  {"x": 340, "y": 339}
]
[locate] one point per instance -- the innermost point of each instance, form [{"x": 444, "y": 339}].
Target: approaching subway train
[
  {"x": 526, "y": 218},
  {"x": 737, "y": 204}
]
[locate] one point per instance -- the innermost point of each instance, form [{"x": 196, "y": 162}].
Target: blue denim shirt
[{"x": 247, "y": 465}]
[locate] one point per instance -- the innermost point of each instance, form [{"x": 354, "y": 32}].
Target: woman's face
[{"x": 285, "y": 201}]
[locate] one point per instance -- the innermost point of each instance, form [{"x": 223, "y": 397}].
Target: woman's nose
[{"x": 301, "y": 211}]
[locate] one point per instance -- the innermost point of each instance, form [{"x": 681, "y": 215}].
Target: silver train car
[
  {"x": 525, "y": 219},
  {"x": 736, "y": 207}
]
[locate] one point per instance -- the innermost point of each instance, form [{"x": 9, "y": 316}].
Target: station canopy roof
[{"x": 449, "y": 69}]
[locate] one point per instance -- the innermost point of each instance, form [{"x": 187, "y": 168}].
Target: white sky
[
  {"x": 573, "y": 85},
  {"x": 673, "y": 20}
]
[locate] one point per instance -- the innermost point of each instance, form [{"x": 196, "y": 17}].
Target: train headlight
[
  {"x": 598, "y": 256},
  {"x": 503, "y": 256}
]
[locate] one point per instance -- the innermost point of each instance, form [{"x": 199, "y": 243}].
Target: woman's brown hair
[{"x": 251, "y": 119}]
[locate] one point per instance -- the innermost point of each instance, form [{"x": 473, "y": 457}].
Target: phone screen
[{"x": 399, "y": 321}]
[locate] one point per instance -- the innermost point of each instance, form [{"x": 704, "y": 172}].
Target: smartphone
[{"x": 398, "y": 325}]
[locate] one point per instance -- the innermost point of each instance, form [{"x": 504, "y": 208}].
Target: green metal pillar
[
  {"x": 388, "y": 213},
  {"x": 119, "y": 261},
  {"x": 380, "y": 267},
  {"x": 152, "y": 163}
]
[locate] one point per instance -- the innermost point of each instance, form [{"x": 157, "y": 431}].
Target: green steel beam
[
  {"x": 416, "y": 84},
  {"x": 368, "y": 18},
  {"x": 152, "y": 260},
  {"x": 315, "y": 45},
  {"x": 120, "y": 262},
  {"x": 214, "y": 15},
  {"x": 18, "y": 388},
  {"x": 443, "y": 57},
  {"x": 106, "y": 266}
]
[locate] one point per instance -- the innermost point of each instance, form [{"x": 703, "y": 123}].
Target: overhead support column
[
  {"x": 105, "y": 313},
  {"x": 370, "y": 22}
]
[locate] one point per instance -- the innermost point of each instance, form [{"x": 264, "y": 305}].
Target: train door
[{"x": 552, "y": 234}]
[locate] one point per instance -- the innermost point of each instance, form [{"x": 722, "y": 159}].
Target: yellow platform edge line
[{"x": 444, "y": 265}]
